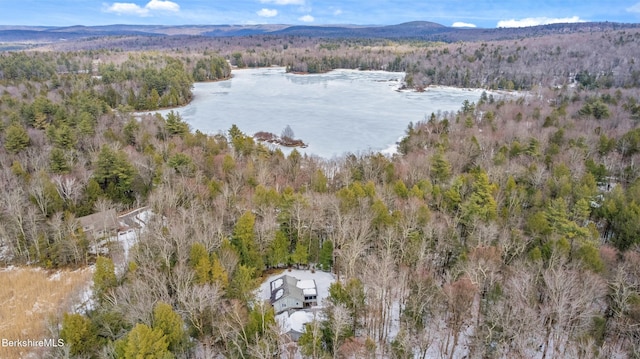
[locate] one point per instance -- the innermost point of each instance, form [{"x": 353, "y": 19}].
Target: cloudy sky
[{"x": 470, "y": 13}]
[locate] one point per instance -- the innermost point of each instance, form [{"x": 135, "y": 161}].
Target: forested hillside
[
  {"x": 510, "y": 228},
  {"x": 603, "y": 58}
]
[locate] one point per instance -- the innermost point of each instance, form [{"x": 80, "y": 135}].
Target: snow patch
[
  {"x": 56, "y": 276},
  {"x": 279, "y": 294},
  {"x": 283, "y": 322},
  {"x": 392, "y": 149},
  {"x": 9, "y": 268},
  {"x": 85, "y": 301},
  {"x": 306, "y": 284},
  {"x": 5, "y": 253},
  {"x": 127, "y": 239},
  {"x": 276, "y": 284},
  {"x": 394, "y": 326},
  {"x": 297, "y": 320},
  {"x": 143, "y": 217},
  {"x": 309, "y": 291}
]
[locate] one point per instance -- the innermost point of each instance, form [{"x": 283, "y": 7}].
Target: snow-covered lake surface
[{"x": 343, "y": 111}]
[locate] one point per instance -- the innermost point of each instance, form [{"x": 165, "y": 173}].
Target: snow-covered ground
[
  {"x": 85, "y": 301},
  {"x": 297, "y": 320},
  {"x": 127, "y": 240},
  {"x": 5, "y": 254}
]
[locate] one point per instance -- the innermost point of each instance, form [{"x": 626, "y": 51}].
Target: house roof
[
  {"x": 308, "y": 287},
  {"x": 285, "y": 286},
  {"x": 101, "y": 220}
]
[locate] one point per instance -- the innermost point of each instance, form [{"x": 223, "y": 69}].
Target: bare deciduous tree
[
  {"x": 460, "y": 296},
  {"x": 569, "y": 301}
]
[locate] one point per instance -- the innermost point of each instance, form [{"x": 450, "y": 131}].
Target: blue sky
[{"x": 485, "y": 14}]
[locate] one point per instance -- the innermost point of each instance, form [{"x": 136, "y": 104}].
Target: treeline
[
  {"x": 211, "y": 69},
  {"x": 19, "y": 66},
  {"x": 140, "y": 81},
  {"x": 313, "y": 65},
  {"x": 597, "y": 58},
  {"x": 168, "y": 86},
  {"x": 509, "y": 65}
]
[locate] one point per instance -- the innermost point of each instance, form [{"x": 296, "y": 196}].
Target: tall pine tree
[{"x": 244, "y": 240}]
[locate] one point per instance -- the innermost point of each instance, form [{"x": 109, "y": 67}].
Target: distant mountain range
[{"x": 417, "y": 29}]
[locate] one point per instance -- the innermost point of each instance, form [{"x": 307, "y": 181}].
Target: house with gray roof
[
  {"x": 290, "y": 294},
  {"x": 101, "y": 224}
]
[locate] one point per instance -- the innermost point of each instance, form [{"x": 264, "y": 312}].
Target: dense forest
[
  {"x": 508, "y": 229},
  {"x": 602, "y": 58}
]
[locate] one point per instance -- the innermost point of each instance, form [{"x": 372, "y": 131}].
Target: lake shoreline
[
  {"x": 334, "y": 114},
  {"x": 402, "y": 88}
]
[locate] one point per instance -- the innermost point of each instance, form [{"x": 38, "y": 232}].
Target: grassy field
[{"x": 32, "y": 301}]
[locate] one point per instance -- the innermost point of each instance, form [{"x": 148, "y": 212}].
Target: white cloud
[
  {"x": 337, "y": 12},
  {"x": 162, "y": 5},
  {"x": 283, "y": 2},
  {"x": 462, "y": 24},
  {"x": 634, "y": 8},
  {"x": 127, "y": 8},
  {"x": 306, "y": 18},
  {"x": 267, "y": 12},
  {"x": 535, "y": 21}
]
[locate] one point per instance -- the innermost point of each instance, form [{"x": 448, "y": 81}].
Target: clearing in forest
[{"x": 32, "y": 302}]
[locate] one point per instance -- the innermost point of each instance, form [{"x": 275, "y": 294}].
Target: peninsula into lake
[{"x": 285, "y": 141}]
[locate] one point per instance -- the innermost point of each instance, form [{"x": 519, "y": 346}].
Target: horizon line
[{"x": 305, "y": 25}]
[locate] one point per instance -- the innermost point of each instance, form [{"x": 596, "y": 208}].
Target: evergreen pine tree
[
  {"x": 79, "y": 334},
  {"x": 218, "y": 273},
  {"x": 199, "y": 260},
  {"x": 326, "y": 255},
  {"x": 170, "y": 323},
  {"x": 440, "y": 168},
  {"x": 144, "y": 342},
  {"x": 242, "y": 284},
  {"x": 278, "y": 250},
  {"x": 104, "y": 277},
  {"x": 58, "y": 162},
  {"x": 481, "y": 204},
  {"x": 17, "y": 138},
  {"x": 175, "y": 125},
  {"x": 115, "y": 174},
  {"x": 245, "y": 242},
  {"x": 301, "y": 254}
]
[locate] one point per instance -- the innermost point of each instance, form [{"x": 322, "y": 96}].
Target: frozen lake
[{"x": 343, "y": 111}]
